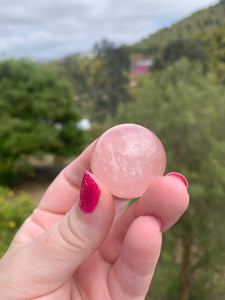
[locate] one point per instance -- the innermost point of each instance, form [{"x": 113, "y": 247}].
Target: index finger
[{"x": 64, "y": 190}]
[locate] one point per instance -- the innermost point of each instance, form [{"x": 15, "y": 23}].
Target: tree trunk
[
  {"x": 185, "y": 264},
  {"x": 184, "y": 293}
]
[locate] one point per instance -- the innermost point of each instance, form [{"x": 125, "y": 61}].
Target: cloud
[{"x": 54, "y": 28}]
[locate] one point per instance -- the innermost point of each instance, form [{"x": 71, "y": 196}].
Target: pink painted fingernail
[
  {"x": 179, "y": 176},
  {"x": 89, "y": 193}
]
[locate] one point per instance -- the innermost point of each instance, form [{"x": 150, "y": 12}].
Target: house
[{"x": 141, "y": 63}]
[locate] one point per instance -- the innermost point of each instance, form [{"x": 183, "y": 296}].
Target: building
[{"x": 141, "y": 63}]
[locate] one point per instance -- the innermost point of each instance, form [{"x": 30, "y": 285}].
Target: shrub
[{"x": 13, "y": 211}]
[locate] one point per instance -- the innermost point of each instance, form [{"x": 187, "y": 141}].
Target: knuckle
[{"x": 72, "y": 233}]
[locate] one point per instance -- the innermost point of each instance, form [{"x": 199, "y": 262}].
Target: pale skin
[{"x": 110, "y": 253}]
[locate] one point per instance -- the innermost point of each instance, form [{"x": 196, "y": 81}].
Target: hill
[{"x": 190, "y": 28}]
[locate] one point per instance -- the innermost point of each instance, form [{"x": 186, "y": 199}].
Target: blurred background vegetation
[{"x": 181, "y": 98}]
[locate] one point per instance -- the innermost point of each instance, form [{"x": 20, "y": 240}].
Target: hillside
[{"x": 191, "y": 27}]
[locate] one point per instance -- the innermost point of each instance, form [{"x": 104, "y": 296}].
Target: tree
[
  {"x": 101, "y": 82},
  {"x": 186, "y": 110},
  {"x": 111, "y": 79},
  {"x": 77, "y": 70},
  {"x": 175, "y": 50},
  {"x": 214, "y": 42},
  {"x": 192, "y": 50},
  {"x": 37, "y": 115}
]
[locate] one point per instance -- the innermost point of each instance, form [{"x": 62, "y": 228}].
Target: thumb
[{"x": 58, "y": 252}]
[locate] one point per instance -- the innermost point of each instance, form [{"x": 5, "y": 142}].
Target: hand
[{"x": 63, "y": 253}]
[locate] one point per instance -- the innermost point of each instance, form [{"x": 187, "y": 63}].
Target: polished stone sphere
[{"x": 126, "y": 157}]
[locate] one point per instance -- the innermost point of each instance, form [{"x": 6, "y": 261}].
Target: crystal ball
[{"x": 126, "y": 157}]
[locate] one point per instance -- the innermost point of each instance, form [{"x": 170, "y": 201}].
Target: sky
[{"x": 51, "y": 29}]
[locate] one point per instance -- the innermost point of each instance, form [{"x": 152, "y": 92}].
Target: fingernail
[
  {"x": 158, "y": 219},
  {"x": 179, "y": 176},
  {"x": 89, "y": 193}
]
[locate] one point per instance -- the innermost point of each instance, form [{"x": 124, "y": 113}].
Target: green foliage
[
  {"x": 13, "y": 211},
  {"x": 111, "y": 78},
  {"x": 78, "y": 71},
  {"x": 100, "y": 83},
  {"x": 192, "y": 50},
  {"x": 37, "y": 115},
  {"x": 214, "y": 42},
  {"x": 186, "y": 110},
  {"x": 191, "y": 28}
]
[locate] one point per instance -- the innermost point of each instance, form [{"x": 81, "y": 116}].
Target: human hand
[{"x": 61, "y": 252}]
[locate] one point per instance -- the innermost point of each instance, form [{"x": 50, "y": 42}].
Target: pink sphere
[{"x": 126, "y": 157}]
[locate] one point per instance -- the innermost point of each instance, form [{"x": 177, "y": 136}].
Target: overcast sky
[{"x": 50, "y": 29}]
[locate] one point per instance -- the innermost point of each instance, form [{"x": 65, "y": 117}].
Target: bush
[
  {"x": 38, "y": 116},
  {"x": 13, "y": 212}
]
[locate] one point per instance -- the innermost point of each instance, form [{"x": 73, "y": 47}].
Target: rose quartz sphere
[{"x": 126, "y": 157}]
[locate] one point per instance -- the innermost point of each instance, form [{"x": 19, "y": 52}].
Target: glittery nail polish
[{"x": 89, "y": 193}]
